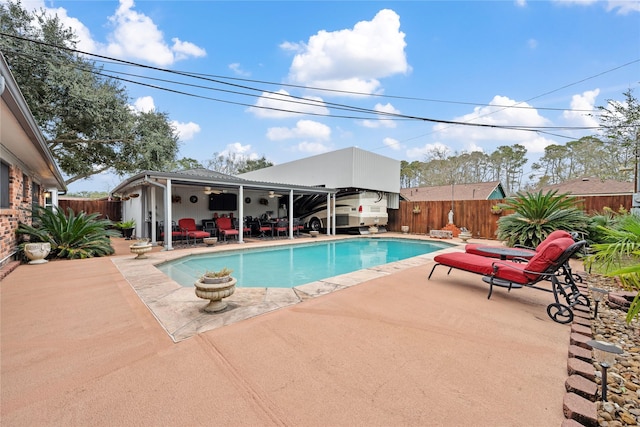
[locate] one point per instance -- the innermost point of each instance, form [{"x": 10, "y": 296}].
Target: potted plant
[
  {"x": 127, "y": 228},
  {"x": 496, "y": 209},
  {"x": 140, "y": 248},
  {"x": 215, "y": 285},
  {"x": 219, "y": 276}
]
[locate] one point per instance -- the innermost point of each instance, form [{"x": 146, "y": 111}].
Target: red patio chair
[
  {"x": 281, "y": 226},
  {"x": 225, "y": 228},
  {"x": 175, "y": 231},
  {"x": 544, "y": 265},
  {"x": 189, "y": 228}
]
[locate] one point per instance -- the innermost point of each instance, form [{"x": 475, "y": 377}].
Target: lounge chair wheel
[
  {"x": 583, "y": 300},
  {"x": 560, "y": 313}
]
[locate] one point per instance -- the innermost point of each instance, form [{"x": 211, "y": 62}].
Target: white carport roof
[
  {"x": 215, "y": 180},
  {"x": 209, "y": 178}
]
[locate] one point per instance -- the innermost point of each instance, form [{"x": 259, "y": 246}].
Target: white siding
[{"x": 349, "y": 167}]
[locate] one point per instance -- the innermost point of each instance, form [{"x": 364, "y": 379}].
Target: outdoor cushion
[
  {"x": 189, "y": 227},
  {"x": 557, "y": 234},
  {"x": 475, "y": 248},
  {"x": 548, "y": 256}
]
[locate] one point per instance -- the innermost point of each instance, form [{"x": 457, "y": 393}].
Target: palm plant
[
  {"x": 619, "y": 255},
  {"x": 72, "y": 235},
  {"x": 536, "y": 215}
]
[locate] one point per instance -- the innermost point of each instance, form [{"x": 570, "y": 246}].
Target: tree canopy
[
  {"x": 614, "y": 154},
  {"x": 85, "y": 117}
]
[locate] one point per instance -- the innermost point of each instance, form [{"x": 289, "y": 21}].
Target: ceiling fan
[
  {"x": 209, "y": 190},
  {"x": 273, "y": 194}
]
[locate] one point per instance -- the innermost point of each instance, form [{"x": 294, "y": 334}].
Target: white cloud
[
  {"x": 496, "y": 113},
  {"x": 235, "y": 67},
  {"x": 184, "y": 50},
  {"x": 392, "y": 143},
  {"x": 584, "y": 101},
  {"x": 307, "y": 129},
  {"x": 532, "y": 43},
  {"x": 623, "y": 7},
  {"x": 134, "y": 36},
  {"x": 351, "y": 59},
  {"x": 521, "y": 3},
  {"x": 237, "y": 149},
  {"x": 311, "y": 147},
  {"x": 387, "y": 108},
  {"x": 144, "y": 104},
  {"x": 282, "y": 105},
  {"x": 186, "y": 131}
]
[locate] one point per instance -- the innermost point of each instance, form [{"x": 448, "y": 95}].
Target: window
[
  {"x": 25, "y": 186},
  {"x": 4, "y": 185},
  {"x": 35, "y": 195}
]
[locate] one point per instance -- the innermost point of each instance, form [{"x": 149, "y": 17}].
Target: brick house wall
[{"x": 21, "y": 196}]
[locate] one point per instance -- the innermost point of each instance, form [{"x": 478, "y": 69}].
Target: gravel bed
[{"x": 623, "y": 378}]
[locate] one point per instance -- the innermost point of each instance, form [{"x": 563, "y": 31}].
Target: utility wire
[{"x": 295, "y": 100}]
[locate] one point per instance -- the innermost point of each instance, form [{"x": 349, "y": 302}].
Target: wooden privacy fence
[
  {"x": 109, "y": 209},
  {"x": 476, "y": 215}
]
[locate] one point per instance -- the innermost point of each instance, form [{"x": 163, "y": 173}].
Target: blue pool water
[{"x": 293, "y": 265}]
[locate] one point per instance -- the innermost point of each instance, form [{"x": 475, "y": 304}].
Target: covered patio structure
[{"x": 152, "y": 197}]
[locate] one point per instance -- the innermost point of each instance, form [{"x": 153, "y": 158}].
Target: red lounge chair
[
  {"x": 544, "y": 265},
  {"x": 188, "y": 227},
  {"x": 522, "y": 252},
  {"x": 225, "y": 228}
]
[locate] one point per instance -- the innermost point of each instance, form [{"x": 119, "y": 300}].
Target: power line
[{"x": 294, "y": 99}]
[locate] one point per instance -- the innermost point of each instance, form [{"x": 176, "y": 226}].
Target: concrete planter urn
[
  {"x": 215, "y": 292},
  {"x": 464, "y": 236},
  {"x": 140, "y": 249},
  {"x": 373, "y": 230},
  {"x": 314, "y": 233},
  {"x": 210, "y": 241},
  {"x": 37, "y": 252},
  {"x": 404, "y": 229}
]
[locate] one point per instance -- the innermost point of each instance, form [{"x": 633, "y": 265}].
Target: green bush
[
  {"x": 536, "y": 215},
  {"x": 72, "y": 235},
  {"x": 619, "y": 255}
]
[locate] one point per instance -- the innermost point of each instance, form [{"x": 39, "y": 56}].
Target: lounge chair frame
[{"x": 567, "y": 290}]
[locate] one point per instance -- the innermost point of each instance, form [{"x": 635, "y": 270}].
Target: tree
[
  {"x": 233, "y": 163},
  {"x": 621, "y": 123},
  {"x": 185, "y": 163},
  {"x": 508, "y": 163},
  {"x": 84, "y": 116},
  {"x": 253, "y": 165},
  {"x": 536, "y": 215}
]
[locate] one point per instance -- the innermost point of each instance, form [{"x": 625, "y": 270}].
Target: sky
[{"x": 292, "y": 79}]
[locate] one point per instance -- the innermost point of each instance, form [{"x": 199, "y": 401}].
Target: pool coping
[{"x": 179, "y": 310}]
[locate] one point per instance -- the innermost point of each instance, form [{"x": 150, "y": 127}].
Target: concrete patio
[{"x": 82, "y": 345}]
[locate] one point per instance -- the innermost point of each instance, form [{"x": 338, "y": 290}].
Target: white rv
[{"x": 355, "y": 210}]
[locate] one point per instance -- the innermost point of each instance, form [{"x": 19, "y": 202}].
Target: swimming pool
[{"x": 293, "y": 265}]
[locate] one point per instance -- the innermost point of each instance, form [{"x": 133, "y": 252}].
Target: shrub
[
  {"x": 536, "y": 215},
  {"x": 619, "y": 255},
  {"x": 72, "y": 235}
]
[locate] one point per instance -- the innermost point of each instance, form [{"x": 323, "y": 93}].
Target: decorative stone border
[{"x": 579, "y": 403}]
